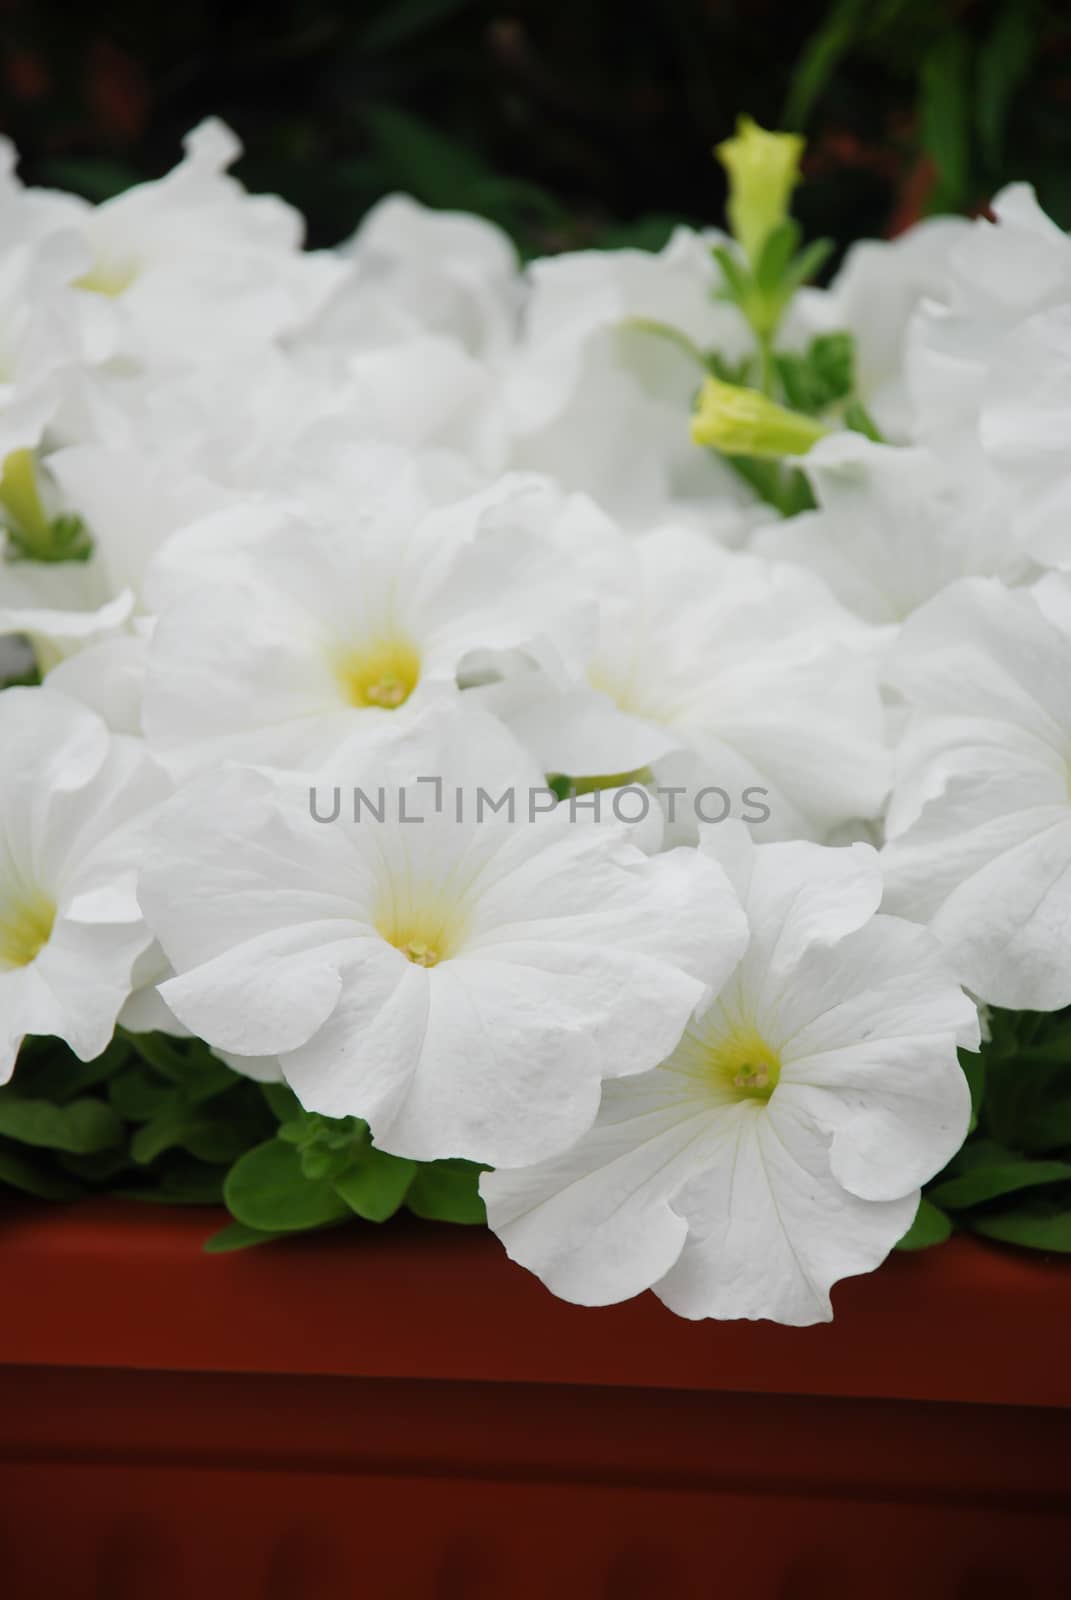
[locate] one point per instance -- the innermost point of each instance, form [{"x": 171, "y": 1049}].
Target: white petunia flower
[
  {"x": 603, "y": 404},
  {"x": 874, "y": 296},
  {"x": 191, "y": 263},
  {"x": 291, "y": 633},
  {"x": 895, "y": 525},
  {"x": 465, "y": 985},
  {"x": 129, "y": 504},
  {"x": 72, "y": 803},
  {"x": 108, "y": 677},
  {"x": 995, "y": 276},
  {"x": 41, "y": 343},
  {"x": 1025, "y": 426},
  {"x": 781, "y": 1145},
  {"x": 979, "y": 826},
  {"x": 712, "y": 668},
  {"x": 421, "y": 272}
]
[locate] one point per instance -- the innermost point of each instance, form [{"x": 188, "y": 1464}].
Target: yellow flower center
[
  {"x": 726, "y": 1060},
  {"x": 635, "y": 690},
  {"x": 744, "y": 1064},
  {"x": 25, "y": 928},
  {"x": 425, "y": 922},
  {"x": 383, "y": 673},
  {"x": 110, "y": 278}
]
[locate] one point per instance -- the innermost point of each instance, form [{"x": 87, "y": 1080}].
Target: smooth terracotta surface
[
  {"x": 116, "y": 1285},
  {"x": 401, "y": 1412}
]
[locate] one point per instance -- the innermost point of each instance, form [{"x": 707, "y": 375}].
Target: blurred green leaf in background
[{"x": 567, "y": 124}]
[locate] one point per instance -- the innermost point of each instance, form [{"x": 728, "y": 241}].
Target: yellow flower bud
[
  {"x": 20, "y": 498},
  {"x": 744, "y": 422},
  {"x": 763, "y": 170}
]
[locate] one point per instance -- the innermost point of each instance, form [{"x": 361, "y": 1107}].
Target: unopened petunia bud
[
  {"x": 763, "y": 170},
  {"x": 744, "y": 422}
]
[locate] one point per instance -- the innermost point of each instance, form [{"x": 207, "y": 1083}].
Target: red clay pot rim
[{"x": 120, "y": 1285}]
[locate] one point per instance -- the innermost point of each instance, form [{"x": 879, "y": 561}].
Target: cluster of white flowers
[{"x": 426, "y": 719}]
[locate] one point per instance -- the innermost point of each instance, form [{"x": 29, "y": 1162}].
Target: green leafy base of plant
[
  {"x": 164, "y": 1120},
  {"x": 1011, "y": 1181}
]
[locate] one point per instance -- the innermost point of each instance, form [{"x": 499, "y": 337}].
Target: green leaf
[
  {"x": 80, "y": 1127},
  {"x": 930, "y": 1227},
  {"x": 159, "y": 1051},
  {"x": 283, "y": 1103},
  {"x": 267, "y": 1189},
  {"x": 808, "y": 264},
  {"x": 423, "y": 160},
  {"x": 52, "y": 1072},
  {"x": 738, "y": 372},
  {"x": 945, "y": 117},
  {"x": 377, "y": 1186},
  {"x": 320, "y": 1162},
  {"x": 98, "y": 1168},
  {"x": 182, "y": 1180},
  {"x": 236, "y": 1236},
  {"x": 1038, "y": 1226},
  {"x": 984, "y": 1182},
  {"x": 858, "y": 419},
  {"x": 95, "y": 178},
  {"x": 820, "y": 58},
  {"x": 650, "y": 233},
  {"x": 832, "y": 357},
  {"x": 778, "y": 251},
  {"x": 823, "y": 375},
  {"x": 737, "y": 280},
  {"x": 19, "y": 1172},
  {"x": 138, "y": 1096},
  {"x": 207, "y": 1138},
  {"x": 796, "y": 494},
  {"x": 1028, "y": 1104},
  {"x": 448, "y": 1191},
  {"x": 1003, "y": 63},
  {"x": 974, "y": 1070}
]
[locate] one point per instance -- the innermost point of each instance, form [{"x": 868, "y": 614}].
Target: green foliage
[
  {"x": 821, "y": 376},
  {"x": 447, "y": 1191},
  {"x": 763, "y": 295},
  {"x": 569, "y": 126},
  {"x": 68, "y": 540},
  {"x": 163, "y": 1120},
  {"x": 1012, "y": 1179},
  {"x": 931, "y": 1226}
]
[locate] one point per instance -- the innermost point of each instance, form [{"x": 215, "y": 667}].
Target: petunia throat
[
  {"x": 727, "y": 1059},
  {"x": 26, "y": 925},
  {"x": 381, "y": 673},
  {"x": 744, "y": 1064}
]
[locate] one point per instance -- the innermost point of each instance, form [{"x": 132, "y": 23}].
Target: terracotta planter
[{"x": 400, "y": 1413}]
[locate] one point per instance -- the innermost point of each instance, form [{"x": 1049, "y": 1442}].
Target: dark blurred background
[{"x": 585, "y": 122}]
